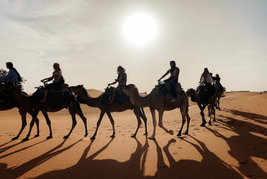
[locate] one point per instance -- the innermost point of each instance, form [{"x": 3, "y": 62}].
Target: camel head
[
  {"x": 190, "y": 92},
  {"x": 130, "y": 90},
  {"x": 76, "y": 89}
]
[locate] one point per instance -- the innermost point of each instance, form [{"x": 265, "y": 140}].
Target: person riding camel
[
  {"x": 121, "y": 79},
  {"x": 57, "y": 83},
  {"x": 13, "y": 75},
  {"x": 206, "y": 78},
  {"x": 173, "y": 79},
  {"x": 217, "y": 80}
]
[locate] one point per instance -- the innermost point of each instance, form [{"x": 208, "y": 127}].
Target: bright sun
[{"x": 140, "y": 29}]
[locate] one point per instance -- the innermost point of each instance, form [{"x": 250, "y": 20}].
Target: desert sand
[{"x": 235, "y": 146}]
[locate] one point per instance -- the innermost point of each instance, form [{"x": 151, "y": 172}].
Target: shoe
[{"x": 172, "y": 100}]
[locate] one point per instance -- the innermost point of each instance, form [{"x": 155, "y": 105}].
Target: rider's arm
[{"x": 164, "y": 75}]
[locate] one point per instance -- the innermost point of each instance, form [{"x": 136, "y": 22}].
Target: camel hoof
[
  {"x": 202, "y": 125},
  {"x": 25, "y": 139},
  {"x": 145, "y": 133},
  {"x": 49, "y": 137},
  {"x": 65, "y": 137},
  {"x": 171, "y": 132},
  {"x": 14, "y": 138},
  {"x": 133, "y": 136},
  {"x": 179, "y": 134},
  {"x": 151, "y": 138},
  {"x": 112, "y": 136},
  {"x": 37, "y": 135},
  {"x": 85, "y": 135},
  {"x": 92, "y": 138},
  {"x": 185, "y": 133},
  {"x": 210, "y": 124}
]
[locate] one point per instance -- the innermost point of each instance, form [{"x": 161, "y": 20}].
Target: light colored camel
[
  {"x": 55, "y": 102},
  {"x": 202, "y": 101},
  {"x": 103, "y": 104},
  {"x": 157, "y": 101},
  {"x": 9, "y": 102}
]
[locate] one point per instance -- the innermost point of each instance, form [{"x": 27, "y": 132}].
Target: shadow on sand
[{"x": 247, "y": 146}]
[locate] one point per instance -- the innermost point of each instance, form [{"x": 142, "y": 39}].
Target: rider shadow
[
  {"x": 247, "y": 146},
  {"x": 193, "y": 169},
  {"x": 17, "y": 172},
  {"x": 253, "y": 116},
  {"x": 107, "y": 168}
]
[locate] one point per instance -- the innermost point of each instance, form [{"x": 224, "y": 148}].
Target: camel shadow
[
  {"x": 193, "y": 169},
  {"x": 253, "y": 116},
  {"x": 107, "y": 168},
  {"x": 16, "y": 172},
  {"x": 14, "y": 145},
  {"x": 247, "y": 146}
]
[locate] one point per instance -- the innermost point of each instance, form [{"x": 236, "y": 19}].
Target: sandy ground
[{"x": 235, "y": 146}]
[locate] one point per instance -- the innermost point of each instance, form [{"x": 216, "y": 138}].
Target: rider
[
  {"x": 217, "y": 80},
  {"x": 173, "y": 79},
  {"x": 57, "y": 83},
  {"x": 13, "y": 75},
  {"x": 207, "y": 79},
  {"x": 121, "y": 79}
]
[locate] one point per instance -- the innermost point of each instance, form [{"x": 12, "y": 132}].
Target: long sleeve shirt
[{"x": 11, "y": 76}]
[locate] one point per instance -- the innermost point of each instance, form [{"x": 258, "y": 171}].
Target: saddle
[
  {"x": 120, "y": 96},
  {"x": 39, "y": 94},
  {"x": 165, "y": 88}
]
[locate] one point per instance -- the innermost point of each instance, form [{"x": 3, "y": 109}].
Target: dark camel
[
  {"x": 202, "y": 101},
  {"x": 157, "y": 101},
  {"x": 55, "y": 101},
  {"x": 9, "y": 102},
  {"x": 105, "y": 107},
  {"x": 219, "y": 93}
]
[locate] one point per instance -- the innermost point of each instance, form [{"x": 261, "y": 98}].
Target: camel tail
[{"x": 143, "y": 112}]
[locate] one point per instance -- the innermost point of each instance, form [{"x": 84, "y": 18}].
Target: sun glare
[{"x": 140, "y": 29}]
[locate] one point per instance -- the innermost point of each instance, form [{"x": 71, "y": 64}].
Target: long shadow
[
  {"x": 252, "y": 116},
  {"x": 9, "y": 147},
  {"x": 245, "y": 146},
  {"x": 210, "y": 167},
  {"x": 107, "y": 168},
  {"x": 16, "y": 172}
]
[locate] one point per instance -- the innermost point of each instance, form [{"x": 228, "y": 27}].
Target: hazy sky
[{"x": 86, "y": 38}]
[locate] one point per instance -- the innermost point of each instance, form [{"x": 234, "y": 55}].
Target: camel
[
  {"x": 219, "y": 93},
  {"x": 160, "y": 102},
  {"x": 103, "y": 104},
  {"x": 56, "y": 100},
  {"x": 202, "y": 101},
  {"x": 9, "y": 102}
]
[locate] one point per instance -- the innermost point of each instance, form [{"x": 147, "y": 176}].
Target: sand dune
[{"x": 233, "y": 147}]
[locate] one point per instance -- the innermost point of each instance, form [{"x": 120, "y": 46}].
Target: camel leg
[
  {"x": 23, "y": 124},
  {"x": 112, "y": 123},
  {"x": 34, "y": 117},
  {"x": 37, "y": 125},
  {"x": 142, "y": 115},
  {"x": 48, "y": 122},
  {"x": 202, "y": 114},
  {"x": 80, "y": 113},
  {"x": 74, "y": 122},
  {"x": 154, "y": 123},
  {"x": 98, "y": 124},
  {"x": 137, "y": 114},
  {"x": 188, "y": 122},
  {"x": 183, "y": 121},
  {"x": 161, "y": 111}
]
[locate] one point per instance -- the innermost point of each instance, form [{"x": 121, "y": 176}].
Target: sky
[{"x": 86, "y": 38}]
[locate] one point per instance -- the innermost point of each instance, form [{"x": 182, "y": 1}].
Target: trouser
[{"x": 173, "y": 86}]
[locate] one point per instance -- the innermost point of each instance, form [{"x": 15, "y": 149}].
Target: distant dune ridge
[{"x": 233, "y": 147}]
